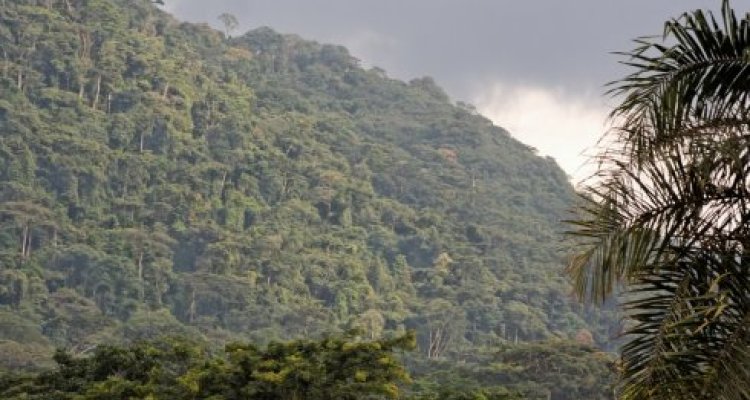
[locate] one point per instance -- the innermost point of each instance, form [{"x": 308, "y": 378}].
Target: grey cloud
[
  {"x": 535, "y": 67},
  {"x": 553, "y": 43}
]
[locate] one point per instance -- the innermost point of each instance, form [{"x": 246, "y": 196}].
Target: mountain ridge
[{"x": 161, "y": 177}]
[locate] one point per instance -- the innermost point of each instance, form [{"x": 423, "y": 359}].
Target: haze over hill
[{"x": 536, "y": 68}]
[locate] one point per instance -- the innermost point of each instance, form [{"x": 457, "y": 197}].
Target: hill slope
[{"x": 157, "y": 177}]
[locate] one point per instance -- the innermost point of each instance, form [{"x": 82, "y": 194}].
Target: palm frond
[
  {"x": 666, "y": 223},
  {"x": 703, "y": 76},
  {"x": 689, "y": 330}
]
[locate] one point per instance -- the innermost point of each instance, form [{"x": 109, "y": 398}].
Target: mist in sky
[{"x": 536, "y": 68}]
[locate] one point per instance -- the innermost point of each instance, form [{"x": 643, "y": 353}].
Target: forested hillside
[{"x": 157, "y": 177}]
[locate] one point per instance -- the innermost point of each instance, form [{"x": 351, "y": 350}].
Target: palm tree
[{"x": 665, "y": 223}]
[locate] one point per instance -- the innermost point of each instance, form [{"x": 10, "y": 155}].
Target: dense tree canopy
[
  {"x": 174, "y": 370},
  {"x": 330, "y": 368},
  {"x": 159, "y": 177}
]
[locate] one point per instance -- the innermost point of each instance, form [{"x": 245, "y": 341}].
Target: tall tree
[
  {"x": 157, "y": 246},
  {"x": 230, "y": 23},
  {"x": 666, "y": 223},
  {"x": 27, "y": 216}
]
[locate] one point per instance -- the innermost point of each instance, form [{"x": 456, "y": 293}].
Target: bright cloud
[
  {"x": 171, "y": 6},
  {"x": 371, "y": 45},
  {"x": 564, "y": 127}
]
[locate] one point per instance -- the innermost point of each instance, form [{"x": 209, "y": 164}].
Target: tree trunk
[
  {"x": 191, "y": 309},
  {"x": 24, "y": 234},
  {"x": 140, "y": 146},
  {"x": 223, "y": 180},
  {"x": 433, "y": 350},
  {"x": 5, "y": 64},
  {"x": 221, "y": 187},
  {"x": 28, "y": 243},
  {"x": 97, "y": 91},
  {"x": 435, "y": 347},
  {"x": 209, "y": 113},
  {"x": 85, "y": 50},
  {"x": 140, "y": 266},
  {"x": 140, "y": 275},
  {"x": 429, "y": 345},
  {"x": 284, "y": 186}
]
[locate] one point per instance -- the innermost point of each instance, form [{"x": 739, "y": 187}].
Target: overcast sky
[{"x": 536, "y": 68}]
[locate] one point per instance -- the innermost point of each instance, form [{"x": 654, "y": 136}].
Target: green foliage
[
  {"x": 158, "y": 177},
  {"x": 331, "y": 368},
  {"x": 340, "y": 368},
  {"x": 542, "y": 370}
]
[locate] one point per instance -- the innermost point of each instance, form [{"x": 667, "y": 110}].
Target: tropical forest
[{"x": 195, "y": 213}]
